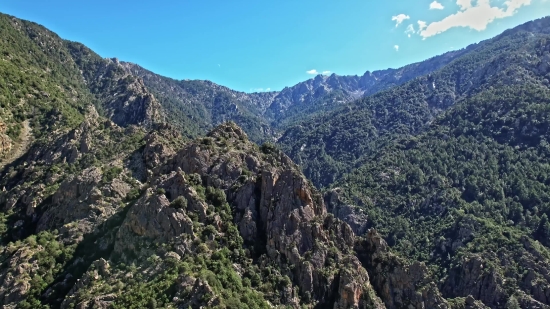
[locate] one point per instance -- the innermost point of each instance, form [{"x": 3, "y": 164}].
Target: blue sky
[{"x": 252, "y": 45}]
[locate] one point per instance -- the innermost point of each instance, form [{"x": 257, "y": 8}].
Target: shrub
[
  {"x": 111, "y": 173},
  {"x": 179, "y": 203}
]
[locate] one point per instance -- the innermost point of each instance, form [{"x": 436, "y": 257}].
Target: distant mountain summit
[
  {"x": 331, "y": 143},
  {"x": 120, "y": 188},
  {"x": 325, "y": 93},
  {"x": 198, "y": 105}
]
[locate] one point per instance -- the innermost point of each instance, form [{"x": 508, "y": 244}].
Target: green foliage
[
  {"x": 179, "y": 203},
  {"x": 133, "y": 194},
  {"x": 4, "y": 224},
  {"x": 111, "y": 173},
  {"x": 268, "y": 148},
  {"x": 37, "y": 82},
  {"x": 512, "y": 303},
  {"x": 331, "y": 144},
  {"x": 464, "y": 181},
  {"x": 50, "y": 255},
  {"x": 161, "y": 191},
  {"x": 195, "y": 106},
  {"x": 215, "y": 196}
]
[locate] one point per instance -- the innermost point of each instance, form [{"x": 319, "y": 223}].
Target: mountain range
[{"x": 419, "y": 187}]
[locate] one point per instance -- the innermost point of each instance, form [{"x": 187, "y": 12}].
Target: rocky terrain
[
  {"x": 195, "y": 106},
  {"x": 5, "y": 141},
  {"x": 126, "y": 189}
]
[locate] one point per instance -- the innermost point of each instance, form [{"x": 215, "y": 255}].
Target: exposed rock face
[
  {"x": 130, "y": 102},
  {"x": 196, "y": 106},
  {"x": 15, "y": 285},
  {"x": 353, "y": 216},
  {"x": 124, "y": 98},
  {"x": 87, "y": 198},
  {"x": 121, "y": 206},
  {"x": 206, "y": 104},
  {"x": 276, "y": 209},
  {"x": 477, "y": 277},
  {"x": 471, "y": 277},
  {"x": 101, "y": 270},
  {"x": 312, "y": 91},
  {"x": 198, "y": 288},
  {"x": 396, "y": 282},
  {"x": 335, "y": 90},
  {"x": 152, "y": 218}
]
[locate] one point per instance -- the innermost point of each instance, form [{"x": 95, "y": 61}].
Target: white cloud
[
  {"x": 436, "y": 6},
  {"x": 475, "y": 17},
  {"x": 422, "y": 25},
  {"x": 326, "y": 72},
  {"x": 396, "y": 47},
  {"x": 400, "y": 18},
  {"x": 464, "y": 4},
  {"x": 410, "y": 30},
  {"x": 312, "y": 72}
]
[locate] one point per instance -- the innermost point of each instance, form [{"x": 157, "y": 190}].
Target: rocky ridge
[{"x": 112, "y": 208}]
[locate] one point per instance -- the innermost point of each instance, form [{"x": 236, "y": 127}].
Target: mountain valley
[{"x": 425, "y": 186}]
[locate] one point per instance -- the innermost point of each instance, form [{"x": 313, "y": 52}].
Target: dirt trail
[{"x": 20, "y": 147}]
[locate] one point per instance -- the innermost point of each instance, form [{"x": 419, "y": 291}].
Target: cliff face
[
  {"x": 160, "y": 198},
  {"x": 277, "y": 212},
  {"x": 110, "y": 206},
  {"x": 122, "y": 97}
]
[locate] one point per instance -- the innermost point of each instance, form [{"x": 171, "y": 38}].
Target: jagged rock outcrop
[
  {"x": 123, "y": 97},
  {"x": 352, "y": 215},
  {"x": 89, "y": 197},
  {"x": 196, "y": 106},
  {"x": 129, "y": 101},
  {"x": 471, "y": 278},
  {"x": 396, "y": 282},
  {"x": 477, "y": 277},
  {"x": 276, "y": 208},
  {"x": 15, "y": 275},
  {"x": 114, "y": 208}
]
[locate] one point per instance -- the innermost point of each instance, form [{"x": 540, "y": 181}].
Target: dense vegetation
[
  {"x": 331, "y": 144},
  {"x": 196, "y": 106},
  {"x": 451, "y": 168},
  {"x": 39, "y": 80},
  {"x": 475, "y": 183}
]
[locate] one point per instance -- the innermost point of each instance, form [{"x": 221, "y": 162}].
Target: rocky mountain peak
[
  {"x": 123, "y": 200},
  {"x": 228, "y": 130}
]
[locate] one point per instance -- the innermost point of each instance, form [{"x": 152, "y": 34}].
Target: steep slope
[
  {"x": 196, "y": 106},
  {"x": 121, "y": 96},
  {"x": 39, "y": 82},
  {"x": 50, "y": 82},
  {"x": 326, "y": 93},
  {"x": 217, "y": 222},
  {"x": 332, "y": 143},
  {"x": 469, "y": 197},
  {"x": 111, "y": 208}
]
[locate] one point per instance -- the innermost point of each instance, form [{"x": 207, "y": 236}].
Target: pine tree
[{"x": 542, "y": 233}]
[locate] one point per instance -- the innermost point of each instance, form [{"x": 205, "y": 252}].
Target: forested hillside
[
  {"x": 109, "y": 206},
  {"x": 472, "y": 189},
  {"x": 121, "y": 188},
  {"x": 331, "y": 144}
]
